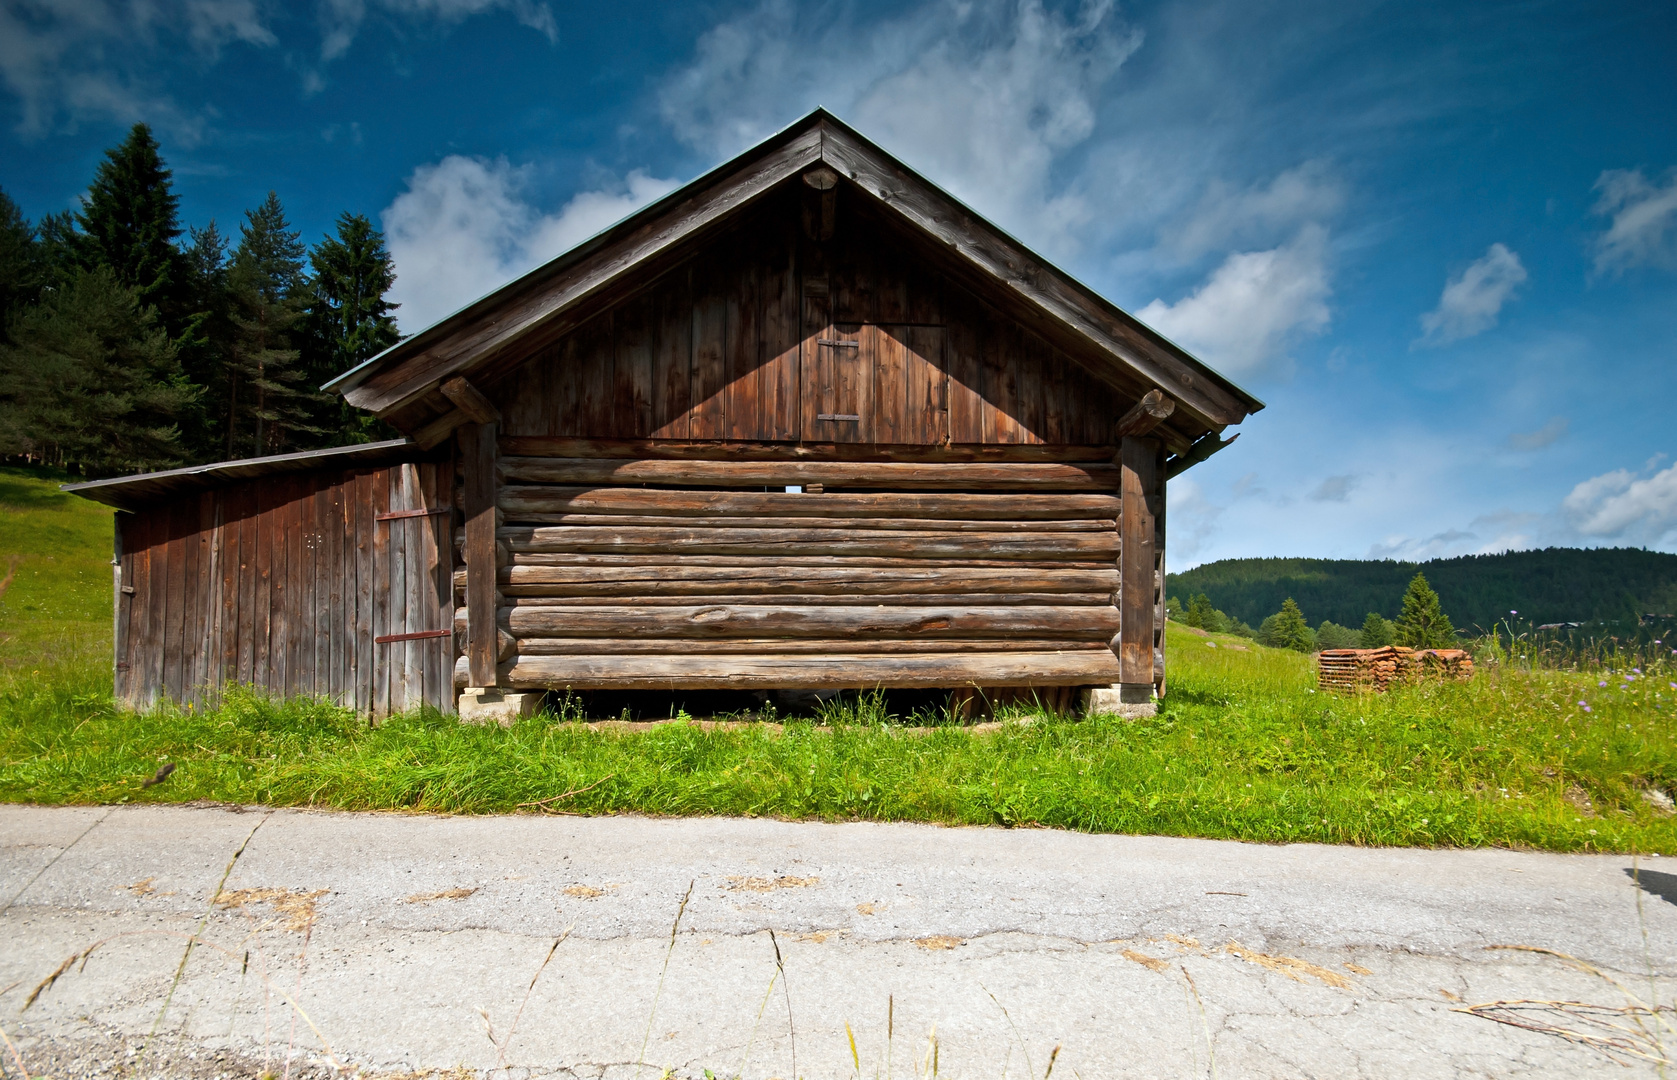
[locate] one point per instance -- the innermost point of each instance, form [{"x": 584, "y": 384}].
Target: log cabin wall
[
  {"x": 797, "y": 463},
  {"x": 331, "y": 583}
]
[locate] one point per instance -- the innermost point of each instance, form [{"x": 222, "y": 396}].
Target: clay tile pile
[{"x": 1351, "y": 670}]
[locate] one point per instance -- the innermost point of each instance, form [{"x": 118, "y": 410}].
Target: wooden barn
[{"x": 806, "y": 423}]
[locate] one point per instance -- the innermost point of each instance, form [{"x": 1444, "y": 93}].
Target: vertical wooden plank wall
[
  {"x": 729, "y": 346},
  {"x": 285, "y": 584}
]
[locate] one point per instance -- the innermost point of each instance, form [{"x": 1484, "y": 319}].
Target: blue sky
[{"x": 1440, "y": 240}]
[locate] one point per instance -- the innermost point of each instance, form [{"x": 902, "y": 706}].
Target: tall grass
[{"x": 1245, "y": 747}]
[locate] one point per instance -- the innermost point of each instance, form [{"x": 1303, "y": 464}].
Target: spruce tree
[
  {"x": 63, "y": 251},
  {"x": 1422, "y": 624},
  {"x": 207, "y": 342},
  {"x": 270, "y": 406},
  {"x": 21, "y": 273},
  {"x": 1377, "y": 631},
  {"x": 1286, "y": 629},
  {"x": 91, "y": 382},
  {"x": 1203, "y": 616},
  {"x": 131, "y": 219},
  {"x": 349, "y": 319}
]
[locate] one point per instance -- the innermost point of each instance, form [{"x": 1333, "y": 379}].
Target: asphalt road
[{"x": 419, "y": 945}]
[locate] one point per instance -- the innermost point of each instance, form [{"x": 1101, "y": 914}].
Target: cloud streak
[
  {"x": 1473, "y": 299},
  {"x": 1621, "y": 505},
  {"x": 464, "y": 227},
  {"x": 1253, "y": 306},
  {"x": 984, "y": 97},
  {"x": 1643, "y": 229}
]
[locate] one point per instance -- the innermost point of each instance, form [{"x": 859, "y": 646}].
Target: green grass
[
  {"x": 57, "y": 548},
  {"x": 1243, "y": 748}
]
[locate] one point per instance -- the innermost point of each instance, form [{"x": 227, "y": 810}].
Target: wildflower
[
  {"x": 1602, "y": 683},
  {"x": 1588, "y": 709},
  {"x": 1585, "y": 706}
]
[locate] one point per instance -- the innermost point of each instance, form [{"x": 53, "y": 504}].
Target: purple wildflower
[{"x": 1588, "y": 709}]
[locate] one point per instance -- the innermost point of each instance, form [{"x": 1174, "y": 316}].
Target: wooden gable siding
[
  {"x": 767, "y": 336},
  {"x": 285, "y": 583}
]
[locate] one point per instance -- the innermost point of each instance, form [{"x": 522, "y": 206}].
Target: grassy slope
[
  {"x": 1244, "y": 748},
  {"x": 59, "y": 549}
]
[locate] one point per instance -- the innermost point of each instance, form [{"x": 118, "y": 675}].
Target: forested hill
[{"x": 1552, "y": 585}]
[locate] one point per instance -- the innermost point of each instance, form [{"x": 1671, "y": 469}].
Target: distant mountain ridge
[{"x": 1547, "y": 586}]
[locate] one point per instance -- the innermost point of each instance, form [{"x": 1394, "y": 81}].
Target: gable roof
[{"x": 402, "y": 383}]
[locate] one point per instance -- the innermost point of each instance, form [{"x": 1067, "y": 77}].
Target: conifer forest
[{"x": 131, "y": 341}]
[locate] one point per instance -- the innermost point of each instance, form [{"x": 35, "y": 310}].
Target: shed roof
[
  {"x": 400, "y": 382},
  {"x": 133, "y": 492}
]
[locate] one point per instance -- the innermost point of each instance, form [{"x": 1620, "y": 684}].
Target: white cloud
[
  {"x": 1335, "y": 489},
  {"x": 340, "y": 20},
  {"x": 1547, "y": 435},
  {"x": 1643, "y": 231},
  {"x": 1253, "y": 305},
  {"x": 1438, "y": 546},
  {"x": 1193, "y": 522},
  {"x": 982, "y": 97},
  {"x": 90, "y": 60},
  {"x": 463, "y": 228},
  {"x": 1228, "y": 215},
  {"x": 1473, "y": 299},
  {"x": 96, "y": 60},
  {"x": 1619, "y": 505}
]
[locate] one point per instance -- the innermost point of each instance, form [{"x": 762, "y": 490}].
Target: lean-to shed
[{"x": 807, "y": 422}]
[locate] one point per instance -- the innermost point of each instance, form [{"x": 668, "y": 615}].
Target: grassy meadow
[{"x": 1244, "y": 746}]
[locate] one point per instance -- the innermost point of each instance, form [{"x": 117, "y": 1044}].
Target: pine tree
[
  {"x": 131, "y": 219},
  {"x": 1377, "y": 631},
  {"x": 91, "y": 382},
  {"x": 269, "y": 403},
  {"x": 1203, "y": 616},
  {"x": 349, "y": 319},
  {"x": 1422, "y": 624},
  {"x": 1286, "y": 629},
  {"x": 207, "y": 342},
  {"x": 63, "y": 251},
  {"x": 21, "y": 272}
]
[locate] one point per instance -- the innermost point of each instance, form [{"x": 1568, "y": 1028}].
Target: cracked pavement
[{"x": 410, "y": 944}]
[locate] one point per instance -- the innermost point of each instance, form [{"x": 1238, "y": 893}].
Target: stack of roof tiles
[{"x": 1350, "y": 670}]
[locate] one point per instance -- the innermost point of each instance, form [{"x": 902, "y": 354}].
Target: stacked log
[
  {"x": 877, "y": 573},
  {"x": 1354, "y": 670}
]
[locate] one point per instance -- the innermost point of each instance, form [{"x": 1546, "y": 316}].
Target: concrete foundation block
[
  {"x": 1119, "y": 701},
  {"x": 492, "y": 705}
]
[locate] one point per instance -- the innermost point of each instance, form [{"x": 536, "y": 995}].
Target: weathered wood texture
[
  {"x": 969, "y": 668},
  {"x": 477, "y": 462},
  {"x": 765, "y": 335},
  {"x": 1140, "y": 586},
  {"x": 284, "y": 584},
  {"x": 955, "y": 573}
]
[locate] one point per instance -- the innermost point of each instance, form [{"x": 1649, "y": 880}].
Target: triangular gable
[{"x": 402, "y": 384}]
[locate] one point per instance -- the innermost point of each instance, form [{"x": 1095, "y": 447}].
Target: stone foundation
[{"x": 492, "y": 705}]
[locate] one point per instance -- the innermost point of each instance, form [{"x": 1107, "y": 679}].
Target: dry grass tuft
[
  {"x": 1357, "y": 969},
  {"x": 864, "y": 909},
  {"x": 298, "y": 908},
  {"x": 1291, "y": 967},
  {"x": 1151, "y": 963},
  {"x": 583, "y": 892},
  {"x": 143, "y": 887},
  {"x": 938, "y": 941},
  {"x": 763, "y": 884},
  {"x": 446, "y": 894},
  {"x": 1184, "y": 942}
]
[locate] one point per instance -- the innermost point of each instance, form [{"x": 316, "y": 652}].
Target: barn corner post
[
  {"x": 477, "y": 466},
  {"x": 1141, "y": 500},
  {"x": 484, "y": 696}
]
